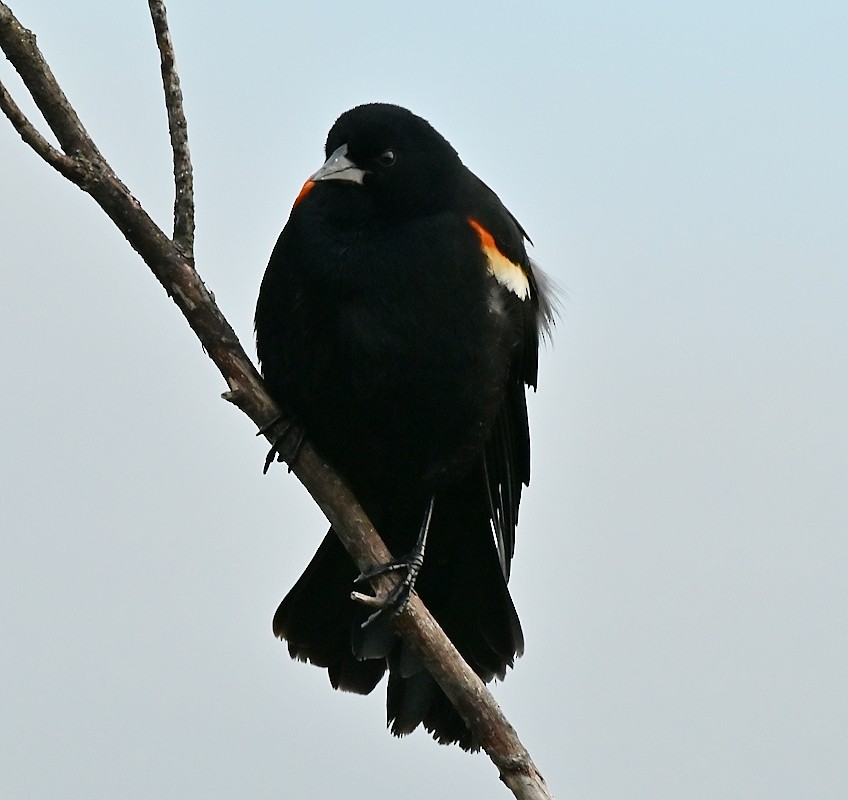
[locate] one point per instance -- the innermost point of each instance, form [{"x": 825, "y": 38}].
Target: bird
[{"x": 399, "y": 322}]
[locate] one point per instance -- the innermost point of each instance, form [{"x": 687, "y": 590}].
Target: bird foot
[
  {"x": 280, "y": 449},
  {"x": 395, "y": 601}
]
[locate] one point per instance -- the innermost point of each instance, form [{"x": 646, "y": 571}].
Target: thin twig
[
  {"x": 172, "y": 266},
  {"x": 33, "y": 138},
  {"x": 178, "y": 129}
]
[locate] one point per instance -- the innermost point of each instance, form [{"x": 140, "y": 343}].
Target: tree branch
[
  {"x": 33, "y": 138},
  {"x": 22, "y": 51},
  {"x": 171, "y": 263},
  {"x": 178, "y": 129}
]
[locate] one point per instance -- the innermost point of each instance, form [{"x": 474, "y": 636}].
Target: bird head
[{"x": 389, "y": 160}]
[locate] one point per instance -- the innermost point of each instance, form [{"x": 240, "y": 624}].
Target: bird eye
[{"x": 387, "y": 158}]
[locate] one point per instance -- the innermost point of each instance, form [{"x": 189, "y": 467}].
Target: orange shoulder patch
[{"x": 505, "y": 271}]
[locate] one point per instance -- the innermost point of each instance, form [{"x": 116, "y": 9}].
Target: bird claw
[
  {"x": 279, "y": 451},
  {"x": 396, "y": 601},
  {"x": 381, "y": 569},
  {"x": 391, "y": 604}
]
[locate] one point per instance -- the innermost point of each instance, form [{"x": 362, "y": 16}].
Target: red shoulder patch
[
  {"x": 503, "y": 269},
  {"x": 305, "y": 189}
]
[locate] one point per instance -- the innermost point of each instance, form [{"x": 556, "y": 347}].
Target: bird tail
[
  {"x": 461, "y": 583},
  {"x": 317, "y": 618}
]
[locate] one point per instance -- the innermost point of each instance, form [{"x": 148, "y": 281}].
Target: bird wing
[
  {"x": 506, "y": 456},
  {"x": 506, "y": 464}
]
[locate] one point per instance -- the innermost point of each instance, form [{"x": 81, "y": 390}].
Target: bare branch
[
  {"x": 20, "y": 48},
  {"x": 33, "y": 138},
  {"x": 473, "y": 700},
  {"x": 171, "y": 263},
  {"x": 178, "y": 128}
]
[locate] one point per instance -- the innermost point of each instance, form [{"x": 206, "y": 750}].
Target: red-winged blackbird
[{"x": 399, "y": 321}]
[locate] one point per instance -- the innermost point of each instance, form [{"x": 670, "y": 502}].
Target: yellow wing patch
[{"x": 506, "y": 272}]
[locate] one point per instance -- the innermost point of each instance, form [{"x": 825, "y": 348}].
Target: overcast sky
[{"x": 682, "y": 557}]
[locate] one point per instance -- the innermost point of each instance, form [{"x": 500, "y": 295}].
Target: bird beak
[{"x": 338, "y": 167}]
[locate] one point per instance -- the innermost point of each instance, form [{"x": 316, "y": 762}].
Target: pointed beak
[{"x": 338, "y": 167}]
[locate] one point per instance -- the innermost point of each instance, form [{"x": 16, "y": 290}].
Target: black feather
[{"x": 383, "y": 327}]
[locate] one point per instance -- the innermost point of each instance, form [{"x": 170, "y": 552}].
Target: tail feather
[
  {"x": 317, "y": 617},
  {"x": 408, "y": 700},
  {"x": 418, "y": 700},
  {"x": 461, "y": 583}
]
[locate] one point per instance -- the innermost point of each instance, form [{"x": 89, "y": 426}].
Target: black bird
[{"x": 399, "y": 321}]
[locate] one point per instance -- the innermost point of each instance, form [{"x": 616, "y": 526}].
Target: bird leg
[
  {"x": 398, "y": 598},
  {"x": 278, "y": 451}
]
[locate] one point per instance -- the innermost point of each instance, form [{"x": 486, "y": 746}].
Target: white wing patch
[{"x": 506, "y": 272}]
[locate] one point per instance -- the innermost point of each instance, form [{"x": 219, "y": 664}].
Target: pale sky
[{"x": 682, "y": 556}]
